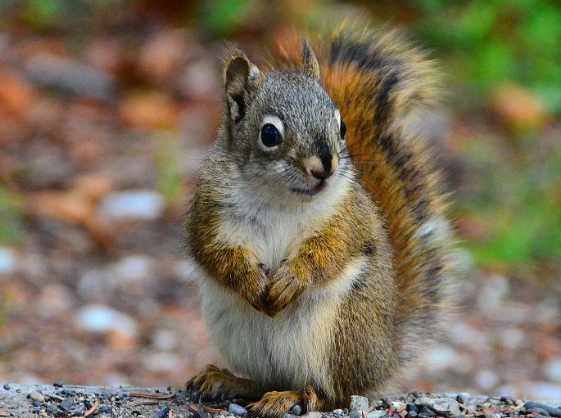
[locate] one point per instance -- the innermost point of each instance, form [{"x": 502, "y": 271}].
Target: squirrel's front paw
[
  {"x": 284, "y": 289},
  {"x": 255, "y": 288}
]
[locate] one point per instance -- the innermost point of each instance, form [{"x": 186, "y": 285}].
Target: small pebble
[
  {"x": 427, "y": 412},
  {"x": 412, "y": 407},
  {"x": 163, "y": 413},
  {"x": 201, "y": 413},
  {"x": 537, "y": 410},
  {"x": 358, "y": 403},
  {"x": 398, "y": 405},
  {"x": 36, "y": 396},
  {"x": 67, "y": 404},
  {"x": 445, "y": 407},
  {"x": 425, "y": 401},
  {"x": 554, "y": 412},
  {"x": 338, "y": 412},
  {"x": 297, "y": 410},
  {"x": 237, "y": 409},
  {"x": 7, "y": 386}
]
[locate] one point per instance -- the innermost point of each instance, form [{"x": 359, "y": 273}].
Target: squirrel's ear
[
  {"x": 310, "y": 64},
  {"x": 241, "y": 78}
]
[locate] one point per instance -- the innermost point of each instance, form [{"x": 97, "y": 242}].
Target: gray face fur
[{"x": 308, "y": 120}]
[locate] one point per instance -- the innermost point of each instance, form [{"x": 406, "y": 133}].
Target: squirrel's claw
[
  {"x": 275, "y": 404},
  {"x": 214, "y": 383}
]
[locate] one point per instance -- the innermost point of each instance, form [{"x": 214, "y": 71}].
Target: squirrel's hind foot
[
  {"x": 275, "y": 404},
  {"x": 214, "y": 383}
]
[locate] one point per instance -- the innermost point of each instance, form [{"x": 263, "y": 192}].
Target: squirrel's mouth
[{"x": 311, "y": 191}]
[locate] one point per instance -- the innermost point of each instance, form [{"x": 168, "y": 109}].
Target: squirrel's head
[{"x": 282, "y": 128}]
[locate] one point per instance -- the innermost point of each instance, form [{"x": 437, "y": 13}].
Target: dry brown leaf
[
  {"x": 67, "y": 206},
  {"x": 16, "y": 96},
  {"x": 153, "y": 110},
  {"x": 518, "y": 107}
]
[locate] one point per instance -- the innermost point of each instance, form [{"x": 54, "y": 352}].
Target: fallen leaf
[
  {"x": 518, "y": 107},
  {"x": 67, "y": 206},
  {"x": 152, "y": 110}
]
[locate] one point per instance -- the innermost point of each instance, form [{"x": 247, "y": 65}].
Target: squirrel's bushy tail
[{"x": 377, "y": 80}]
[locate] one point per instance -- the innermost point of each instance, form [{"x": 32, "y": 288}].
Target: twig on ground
[
  {"x": 144, "y": 402},
  {"x": 92, "y": 409},
  {"x": 149, "y": 395}
]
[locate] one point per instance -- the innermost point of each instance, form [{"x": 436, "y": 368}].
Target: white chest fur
[{"x": 269, "y": 226}]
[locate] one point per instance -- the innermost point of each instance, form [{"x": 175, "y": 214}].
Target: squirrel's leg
[
  {"x": 236, "y": 269},
  {"x": 275, "y": 404},
  {"x": 215, "y": 383}
]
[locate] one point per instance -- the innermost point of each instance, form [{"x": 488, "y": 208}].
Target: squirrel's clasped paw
[{"x": 285, "y": 288}]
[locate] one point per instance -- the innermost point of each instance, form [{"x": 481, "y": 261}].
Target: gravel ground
[{"x": 60, "y": 400}]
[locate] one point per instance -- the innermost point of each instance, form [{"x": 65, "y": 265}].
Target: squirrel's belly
[
  {"x": 287, "y": 352},
  {"x": 282, "y": 353}
]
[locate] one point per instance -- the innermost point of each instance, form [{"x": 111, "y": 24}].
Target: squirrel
[{"x": 319, "y": 226}]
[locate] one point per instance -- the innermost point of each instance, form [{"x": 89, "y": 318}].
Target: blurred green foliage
[
  {"x": 169, "y": 175},
  {"x": 223, "y": 17},
  {"x": 490, "y": 42},
  {"x": 517, "y": 198},
  {"x": 11, "y": 214}
]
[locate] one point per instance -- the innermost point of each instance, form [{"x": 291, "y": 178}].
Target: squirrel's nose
[
  {"x": 322, "y": 174},
  {"x": 321, "y": 167}
]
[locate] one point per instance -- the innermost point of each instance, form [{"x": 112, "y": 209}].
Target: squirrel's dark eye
[
  {"x": 270, "y": 135},
  {"x": 343, "y": 129}
]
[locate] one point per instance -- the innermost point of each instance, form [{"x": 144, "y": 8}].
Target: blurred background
[{"x": 107, "y": 107}]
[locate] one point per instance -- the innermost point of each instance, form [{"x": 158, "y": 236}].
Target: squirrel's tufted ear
[
  {"x": 310, "y": 64},
  {"x": 241, "y": 78}
]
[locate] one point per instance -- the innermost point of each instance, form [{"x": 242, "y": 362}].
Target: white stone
[
  {"x": 7, "y": 261},
  {"x": 102, "y": 319},
  {"x": 134, "y": 268},
  {"x": 132, "y": 204}
]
